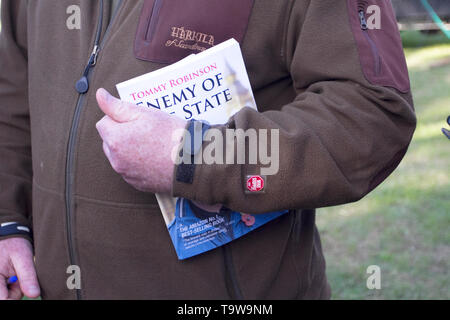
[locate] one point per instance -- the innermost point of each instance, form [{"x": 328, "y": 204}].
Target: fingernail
[{"x": 33, "y": 290}]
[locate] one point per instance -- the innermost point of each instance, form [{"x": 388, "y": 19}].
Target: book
[{"x": 210, "y": 86}]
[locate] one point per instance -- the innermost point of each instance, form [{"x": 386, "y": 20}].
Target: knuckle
[
  {"x": 27, "y": 279},
  {"x": 118, "y": 112},
  {"x": 100, "y": 124},
  {"x": 116, "y": 165},
  {"x": 113, "y": 145},
  {"x": 101, "y": 127}
]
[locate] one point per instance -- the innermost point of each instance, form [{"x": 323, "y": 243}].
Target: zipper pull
[
  {"x": 362, "y": 20},
  {"x": 82, "y": 85},
  {"x": 94, "y": 56}
]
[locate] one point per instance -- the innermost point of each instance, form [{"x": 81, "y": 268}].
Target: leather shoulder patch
[
  {"x": 169, "y": 30},
  {"x": 375, "y": 30}
]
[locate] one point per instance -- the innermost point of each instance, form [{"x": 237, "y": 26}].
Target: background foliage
[{"x": 403, "y": 225}]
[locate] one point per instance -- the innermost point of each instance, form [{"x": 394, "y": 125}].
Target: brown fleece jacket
[{"x": 337, "y": 91}]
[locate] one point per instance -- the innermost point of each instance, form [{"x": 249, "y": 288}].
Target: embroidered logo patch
[
  {"x": 255, "y": 183},
  {"x": 191, "y": 40}
]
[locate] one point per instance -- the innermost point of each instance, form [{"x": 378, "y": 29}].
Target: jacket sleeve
[
  {"x": 15, "y": 139},
  {"x": 348, "y": 127}
]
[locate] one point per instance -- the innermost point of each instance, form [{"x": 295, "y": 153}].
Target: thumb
[{"x": 116, "y": 109}]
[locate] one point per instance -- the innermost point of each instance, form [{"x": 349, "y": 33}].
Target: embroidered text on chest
[{"x": 189, "y": 39}]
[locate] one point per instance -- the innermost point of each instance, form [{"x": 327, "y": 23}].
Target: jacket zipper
[
  {"x": 373, "y": 46},
  {"x": 231, "y": 273},
  {"x": 82, "y": 87},
  {"x": 153, "y": 20}
]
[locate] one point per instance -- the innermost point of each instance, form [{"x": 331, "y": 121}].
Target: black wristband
[
  {"x": 197, "y": 130},
  {"x": 13, "y": 228}
]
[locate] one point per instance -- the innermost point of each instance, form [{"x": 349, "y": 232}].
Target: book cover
[{"x": 210, "y": 86}]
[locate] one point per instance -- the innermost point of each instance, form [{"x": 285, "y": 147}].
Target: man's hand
[
  {"x": 139, "y": 143},
  {"x": 16, "y": 258}
]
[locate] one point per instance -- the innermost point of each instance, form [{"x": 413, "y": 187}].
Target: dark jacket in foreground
[{"x": 338, "y": 93}]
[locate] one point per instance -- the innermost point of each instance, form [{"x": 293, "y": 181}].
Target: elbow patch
[{"x": 380, "y": 49}]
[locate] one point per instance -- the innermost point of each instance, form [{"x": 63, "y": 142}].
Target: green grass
[
  {"x": 402, "y": 226},
  {"x": 415, "y": 39}
]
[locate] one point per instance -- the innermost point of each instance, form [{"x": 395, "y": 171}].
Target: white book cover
[{"x": 211, "y": 86}]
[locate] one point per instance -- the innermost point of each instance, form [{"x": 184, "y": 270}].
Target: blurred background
[{"x": 403, "y": 225}]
